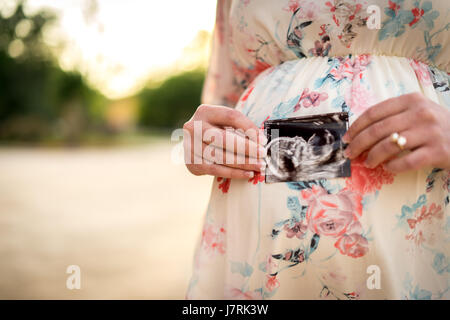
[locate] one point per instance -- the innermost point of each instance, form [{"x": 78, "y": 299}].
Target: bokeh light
[{"x": 118, "y": 44}]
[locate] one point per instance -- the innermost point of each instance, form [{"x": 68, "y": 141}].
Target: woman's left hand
[{"x": 424, "y": 123}]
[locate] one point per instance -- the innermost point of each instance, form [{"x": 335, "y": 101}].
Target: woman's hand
[
  {"x": 213, "y": 146},
  {"x": 424, "y": 124}
]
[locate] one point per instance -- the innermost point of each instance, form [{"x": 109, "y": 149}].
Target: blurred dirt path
[{"x": 128, "y": 217}]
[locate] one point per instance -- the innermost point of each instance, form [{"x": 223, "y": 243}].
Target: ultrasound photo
[{"x": 306, "y": 148}]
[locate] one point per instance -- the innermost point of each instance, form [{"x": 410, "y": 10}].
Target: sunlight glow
[{"x": 119, "y": 44}]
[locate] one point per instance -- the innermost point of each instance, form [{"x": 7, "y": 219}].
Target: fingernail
[
  {"x": 250, "y": 174},
  {"x": 347, "y": 152},
  {"x": 345, "y": 138}
]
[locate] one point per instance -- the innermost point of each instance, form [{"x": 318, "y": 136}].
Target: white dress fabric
[{"x": 374, "y": 235}]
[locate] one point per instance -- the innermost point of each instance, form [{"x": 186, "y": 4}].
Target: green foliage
[
  {"x": 33, "y": 39},
  {"x": 39, "y": 101},
  {"x": 37, "y": 98},
  {"x": 173, "y": 102}
]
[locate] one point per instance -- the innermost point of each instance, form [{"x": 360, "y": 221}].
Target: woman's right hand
[{"x": 223, "y": 142}]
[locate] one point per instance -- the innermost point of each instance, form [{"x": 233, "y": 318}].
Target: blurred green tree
[
  {"x": 37, "y": 98},
  {"x": 173, "y": 102}
]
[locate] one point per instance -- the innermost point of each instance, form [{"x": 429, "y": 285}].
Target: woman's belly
[
  {"x": 323, "y": 85},
  {"x": 325, "y": 235}
]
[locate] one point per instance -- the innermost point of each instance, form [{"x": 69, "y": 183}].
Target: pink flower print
[
  {"x": 272, "y": 283},
  {"x": 247, "y": 75},
  {"x": 258, "y": 177},
  {"x": 260, "y": 66},
  {"x": 353, "y": 245},
  {"x": 361, "y": 62},
  {"x": 315, "y": 98},
  {"x": 332, "y": 9},
  {"x": 308, "y": 10},
  {"x": 331, "y": 214},
  {"x": 298, "y": 230},
  {"x": 422, "y": 72},
  {"x": 351, "y": 68},
  {"x": 355, "y": 227},
  {"x": 321, "y": 48},
  {"x": 424, "y": 223},
  {"x": 213, "y": 239},
  {"x": 308, "y": 99},
  {"x": 358, "y": 98},
  {"x": 417, "y": 13},
  {"x": 357, "y": 9},
  {"x": 393, "y": 6},
  {"x": 352, "y": 295},
  {"x": 433, "y": 211},
  {"x": 224, "y": 184},
  {"x": 364, "y": 180},
  {"x": 417, "y": 237},
  {"x": 343, "y": 70},
  {"x": 323, "y": 29},
  {"x": 297, "y": 255},
  {"x": 292, "y": 6},
  {"x": 344, "y": 13},
  {"x": 271, "y": 265}
]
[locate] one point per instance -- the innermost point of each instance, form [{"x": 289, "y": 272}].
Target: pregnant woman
[{"x": 383, "y": 232}]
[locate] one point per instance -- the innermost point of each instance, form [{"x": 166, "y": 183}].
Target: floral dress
[{"x": 374, "y": 235}]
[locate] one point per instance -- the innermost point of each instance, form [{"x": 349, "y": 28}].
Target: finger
[
  {"x": 228, "y": 117},
  {"x": 219, "y": 156},
  {"x": 257, "y": 136},
  {"x": 378, "y": 131},
  {"x": 414, "y": 160},
  {"x": 376, "y": 113},
  {"x": 230, "y": 141},
  {"x": 227, "y": 172},
  {"x": 387, "y": 149}
]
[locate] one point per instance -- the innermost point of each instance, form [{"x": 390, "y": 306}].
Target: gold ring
[
  {"x": 399, "y": 140},
  {"x": 394, "y": 137}
]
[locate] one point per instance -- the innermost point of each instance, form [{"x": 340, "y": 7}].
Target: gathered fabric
[{"x": 374, "y": 235}]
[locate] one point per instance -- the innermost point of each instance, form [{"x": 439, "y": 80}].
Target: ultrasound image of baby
[{"x": 306, "y": 148}]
